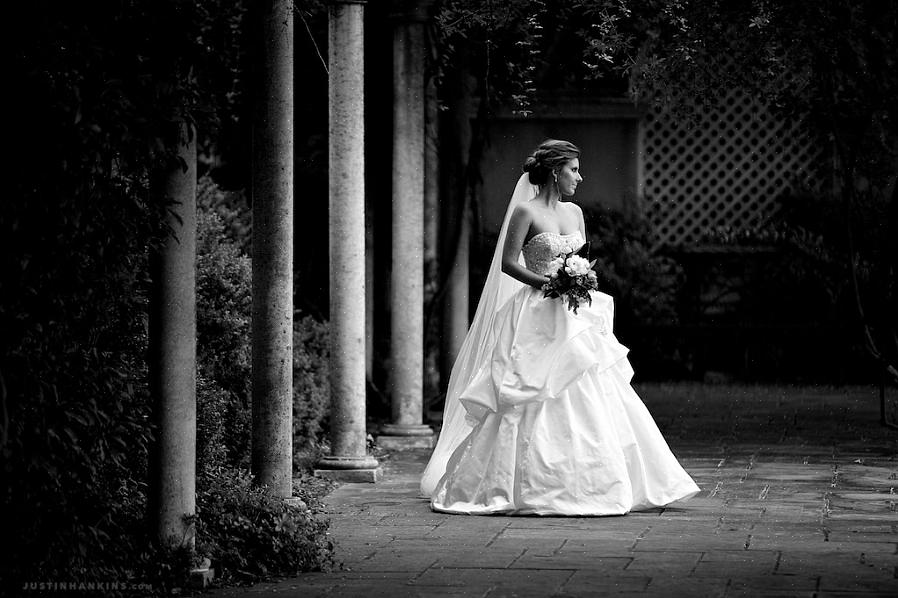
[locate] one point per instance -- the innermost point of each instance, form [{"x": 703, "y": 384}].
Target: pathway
[{"x": 799, "y": 498}]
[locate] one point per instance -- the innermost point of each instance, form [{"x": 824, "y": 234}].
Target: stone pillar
[
  {"x": 272, "y": 343},
  {"x": 407, "y": 271},
  {"x": 431, "y": 191},
  {"x": 432, "y": 380},
  {"x": 349, "y": 459},
  {"x": 172, "y": 355}
]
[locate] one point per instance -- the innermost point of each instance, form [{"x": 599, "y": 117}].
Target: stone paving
[{"x": 798, "y": 499}]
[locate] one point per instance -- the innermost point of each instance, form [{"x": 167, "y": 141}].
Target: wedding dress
[{"x": 549, "y": 423}]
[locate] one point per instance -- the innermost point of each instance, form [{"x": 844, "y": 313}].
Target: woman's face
[{"x": 569, "y": 177}]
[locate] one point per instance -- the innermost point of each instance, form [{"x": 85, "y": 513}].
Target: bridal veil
[{"x": 497, "y": 290}]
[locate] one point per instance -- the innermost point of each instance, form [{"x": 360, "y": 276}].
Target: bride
[{"x": 540, "y": 417}]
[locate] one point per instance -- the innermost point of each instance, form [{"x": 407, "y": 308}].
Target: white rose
[
  {"x": 577, "y": 266},
  {"x": 555, "y": 265}
]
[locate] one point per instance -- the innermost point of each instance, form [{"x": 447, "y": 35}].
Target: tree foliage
[
  {"x": 523, "y": 49},
  {"x": 831, "y": 64}
]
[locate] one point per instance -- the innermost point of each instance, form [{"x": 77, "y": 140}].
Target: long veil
[{"x": 475, "y": 348}]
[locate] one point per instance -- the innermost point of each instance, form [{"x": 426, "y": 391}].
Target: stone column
[
  {"x": 172, "y": 355},
  {"x": 431, "y": 191},
  {"x": 407, "y": 271},
  {"x": 272, "y": 346},
  {"x": 349, "y": 459},
  {"x": 432, "y": 383}
]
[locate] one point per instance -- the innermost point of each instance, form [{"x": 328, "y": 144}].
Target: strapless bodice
[{"x": 544, "y": 247}]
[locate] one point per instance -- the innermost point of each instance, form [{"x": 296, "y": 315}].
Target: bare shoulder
[
  {"x": 521, "y": 218},
  {"x": 575, "y": 211},
  {"x": 574, "y": 208},
  {"x": 523, "y": 212},
  {"x": 525, "y": 207}
]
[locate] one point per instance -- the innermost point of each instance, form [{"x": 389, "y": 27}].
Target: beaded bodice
[{"x": 544, "y": 247}]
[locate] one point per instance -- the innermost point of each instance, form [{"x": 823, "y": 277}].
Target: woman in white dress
[{"x": 540, "y": 417}]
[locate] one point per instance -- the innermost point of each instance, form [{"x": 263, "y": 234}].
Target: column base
[
  {"x": 404, "y": 436},
  {"x": 349, "y": 469},
  {"x": 202, "y": 576},
  {"x": 295, "y": 502}
]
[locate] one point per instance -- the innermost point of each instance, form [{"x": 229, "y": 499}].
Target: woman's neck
[{"x": 549, "y": 195}]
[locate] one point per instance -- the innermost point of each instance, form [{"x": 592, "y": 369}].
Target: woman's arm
[{"x": 518, "y": 226}]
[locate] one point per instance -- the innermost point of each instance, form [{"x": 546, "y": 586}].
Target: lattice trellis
[{"x": 725, "y": 170}]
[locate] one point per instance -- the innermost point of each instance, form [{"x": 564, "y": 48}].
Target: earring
[{"x": 555, "y": 174}]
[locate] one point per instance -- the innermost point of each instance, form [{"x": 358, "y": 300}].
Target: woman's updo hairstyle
[{"x": 550, "y": 156}]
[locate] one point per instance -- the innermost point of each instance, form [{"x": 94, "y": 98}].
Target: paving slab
[
  {"x": 490, "y": 558},
  {"x": 597, "y": 583},
  {"x": 690, "y": 586},
  {"x": 799, "y": 498}
]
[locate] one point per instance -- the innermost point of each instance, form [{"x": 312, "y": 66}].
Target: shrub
[
  {"x": 642, "y": 281},
  {"x": 224, "y": 351},
  {"x": 213, "y": 404},
  {"x": 231, "y": 210},
  {"x": 644, "y": 284},
  {"x": 809, "y": 284},
  {"x": 311, "y": 386},
  {"x": 249, "y": 535},
  {"x": 76, "y": 426}
]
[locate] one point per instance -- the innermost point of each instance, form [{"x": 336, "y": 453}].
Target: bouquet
[{"x": 571, "y": 277}]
